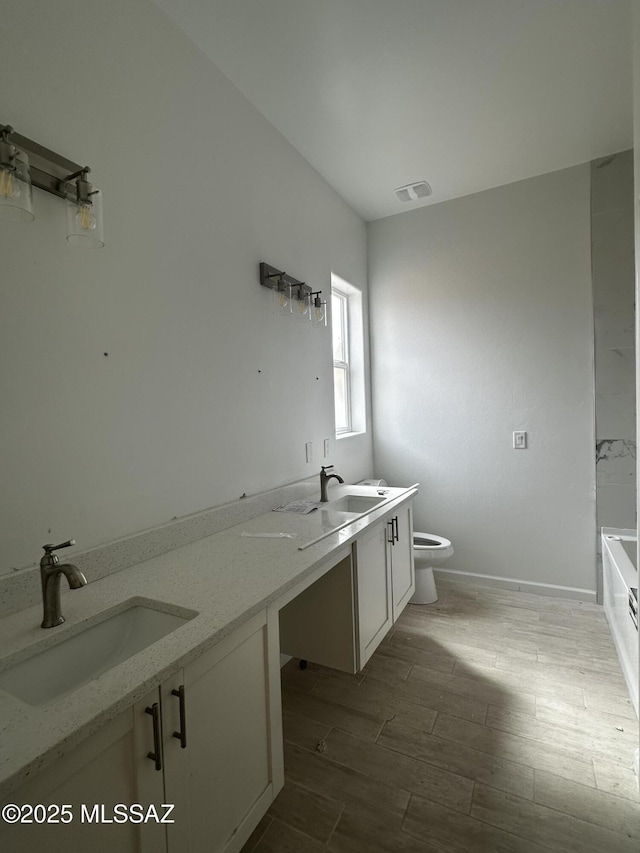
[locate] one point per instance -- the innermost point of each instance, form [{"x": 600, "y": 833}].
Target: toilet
[{"x": 429, "y": 550}]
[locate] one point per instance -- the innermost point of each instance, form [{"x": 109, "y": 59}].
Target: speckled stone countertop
[{"x": 226, "y": 578}]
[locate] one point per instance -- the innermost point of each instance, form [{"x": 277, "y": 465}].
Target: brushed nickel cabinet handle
[
  {"x": 156, "y": 755},
  {"x": 182, "y": 734},
  {"x": 396, "y": 534}
]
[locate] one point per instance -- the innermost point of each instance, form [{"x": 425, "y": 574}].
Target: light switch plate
[
  {"x": 520, "y": 440},
  {"x": 309, "y": 449}
]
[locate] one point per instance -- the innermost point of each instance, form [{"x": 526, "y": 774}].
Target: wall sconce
[
  {"x": 283, "y": 294},
  {"x": 302, "y": 307},
  {"x": 293, "y": 297},
  {"x": 24, "y": 163},
  {"x": 15, "y": 181},
  {"x": 84, "y": 211},
  {"x": 318, "y": 309}
]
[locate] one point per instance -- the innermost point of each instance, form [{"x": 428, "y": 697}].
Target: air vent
[{"x": 413, "y": 192}]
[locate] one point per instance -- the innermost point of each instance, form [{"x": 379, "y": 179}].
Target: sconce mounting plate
[
  {"x": 276, "y": 279},
  {"x": 47, "y": 168}
]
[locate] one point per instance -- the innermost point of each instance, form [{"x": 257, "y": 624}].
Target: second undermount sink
[
  {"x": 355, "y": 503},
  {"x": 57, "y": 670}
]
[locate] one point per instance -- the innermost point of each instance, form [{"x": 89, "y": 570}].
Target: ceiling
[{"x": 465, "y": 94}]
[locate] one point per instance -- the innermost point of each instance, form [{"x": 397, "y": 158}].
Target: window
[
  {"x": 347, "y": 329},
  {"x": 341, "y": 383}
]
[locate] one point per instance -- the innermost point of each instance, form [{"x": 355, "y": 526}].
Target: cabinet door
[
  {"x": 110, "y": 767},
  {"x": 402, "y": 567},
  {"x": 228, "y": 773},
  {"x": 373, "y": 590}
]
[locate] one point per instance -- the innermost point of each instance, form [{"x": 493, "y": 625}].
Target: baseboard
[{"x": 518, "y": 585}]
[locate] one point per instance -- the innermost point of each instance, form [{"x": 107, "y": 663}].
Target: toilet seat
[{"x": 429, "y": 542}]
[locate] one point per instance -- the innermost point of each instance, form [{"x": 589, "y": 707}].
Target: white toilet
[{"x": 429, "y": 551}]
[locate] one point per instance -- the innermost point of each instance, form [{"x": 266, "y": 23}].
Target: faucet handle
[
  {"x": 326, "y": 467},
  {"x": 49, "y": 548}
]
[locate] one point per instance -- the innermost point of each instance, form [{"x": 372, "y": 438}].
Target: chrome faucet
[
  {"x": 324, "y": 479},
  {"x": 50, "y": 571}
]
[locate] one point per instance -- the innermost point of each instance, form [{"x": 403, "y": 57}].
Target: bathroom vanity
[
  {"x": 364, "y": 594},
  {"x": 194, "y": 719}
]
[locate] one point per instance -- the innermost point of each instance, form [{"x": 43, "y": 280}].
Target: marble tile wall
[{"x": 612, "y": 258}]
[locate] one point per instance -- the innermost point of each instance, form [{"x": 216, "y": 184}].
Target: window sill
[{"x": 340, "y": 435}]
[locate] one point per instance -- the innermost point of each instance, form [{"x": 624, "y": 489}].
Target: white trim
[
  {"x": 344, "y": 363},
  {"x": 355, "y": 356},
  {"x": 350, "y": 434},
  {"x": 522, "y": 586}
]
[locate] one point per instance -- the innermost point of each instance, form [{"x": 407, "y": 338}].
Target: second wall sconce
[
  {"x": 24, "y": 163},
  {"x": 293, "y": 297}
]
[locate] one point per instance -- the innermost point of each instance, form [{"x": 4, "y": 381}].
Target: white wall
[
  {"x": 481, "y": 324},
  {"x": 204, "y": 394}
]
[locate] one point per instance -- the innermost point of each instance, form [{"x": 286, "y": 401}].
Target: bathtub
[{"x": 620, "y": 590}]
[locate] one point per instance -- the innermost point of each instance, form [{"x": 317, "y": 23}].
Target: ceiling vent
[{"x": 413, "y": 192}]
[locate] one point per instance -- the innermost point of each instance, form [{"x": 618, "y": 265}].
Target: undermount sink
[
  {"x": 57, "y": 670},
  {"x": 355, "y": 503}
]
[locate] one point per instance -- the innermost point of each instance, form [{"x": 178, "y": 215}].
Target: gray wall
[
  {"x": 204, "y": 394},
  {"x": 481, "y": 324},
  {"x": 613, "y": 306}
]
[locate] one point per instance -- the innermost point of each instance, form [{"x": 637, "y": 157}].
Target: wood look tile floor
[{"x": 490, "y": 721}]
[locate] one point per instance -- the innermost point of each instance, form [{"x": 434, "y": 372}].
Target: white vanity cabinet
[
  {"x": 373, "y": 590},
  {"x": 340, "y": 620},
  {"x": 226, "y": 710},
  {"x": 401, "y": 555},
  {"x": 385, "y": 577},
  {"x": 109, "y": 767}
]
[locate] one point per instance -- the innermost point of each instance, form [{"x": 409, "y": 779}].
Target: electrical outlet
[
  {"x": 326, "y": 447},
  {"x": 309, "y": 449},
  {"x": 519, "y": 440}
]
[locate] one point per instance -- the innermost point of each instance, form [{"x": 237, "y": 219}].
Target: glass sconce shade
[
  {"x": 15, "y": 190},
  {"x": 302, "y": 307},
  {"x": 85, "y": 226},
  {"x": 318, "y": 310},
  {"x": 282, "y": 298}
]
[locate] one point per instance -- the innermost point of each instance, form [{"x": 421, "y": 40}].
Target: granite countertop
[{"x": 226, "y": 578}]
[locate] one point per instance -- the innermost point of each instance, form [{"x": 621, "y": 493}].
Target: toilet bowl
[{"x": 428, "y": 551}]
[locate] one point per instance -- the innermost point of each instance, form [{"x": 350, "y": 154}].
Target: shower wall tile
[
  {"x": 612, "y": 255},
  {"x": 613, "y": 275},
  {"x": 615, "y": 462},
  {"x": 615, "y": 325},
  {"x": 615, "y": 415},
  {"x": 616, "y": 506},
  {"x": 615, "y": 371},
  {"x": 610, "y": 185}
]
